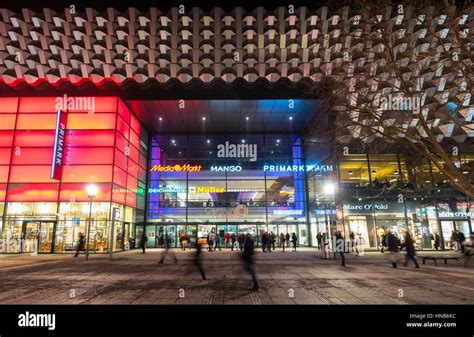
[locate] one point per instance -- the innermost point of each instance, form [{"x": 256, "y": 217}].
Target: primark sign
[{"x": 298, "y": 168}]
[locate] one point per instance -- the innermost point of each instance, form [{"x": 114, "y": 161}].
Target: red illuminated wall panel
[
  {"x": 120, "y": 177},
  {"x": 4, "y": 174},
  {"x": 122, "y": 127},
  {"x": 90, "y": 138},
  {"x": 78, "y": 192},
  {"x": 120, "y": 159},
  {"x": 6, "y": 138},
  {"x": 123, "y": 111},
  {"x": 32, "y": 156},
  {"x": 37, "y": 104},
  {"x": 3, "y": 192},
  {"x": 87, "y": 173},
  {"x": 100, "y": 148},
  {"x": 91, "y": 155},
  {"x": 34, "y": 138},
  {"x": 7, "y": 122},
  {"x": 5, "y": 154},
  {"x": 36, "y": 122},
  {"x": 78, "y": 121},
  {"x": 32, "y": 192},
  {"x": 30, "y": 174},
  {"x": 8, "y": 104}
]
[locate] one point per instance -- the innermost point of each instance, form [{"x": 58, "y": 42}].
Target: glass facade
[
  {"x": 105, "y": 146},
  {"x": 235, "y": 184}
]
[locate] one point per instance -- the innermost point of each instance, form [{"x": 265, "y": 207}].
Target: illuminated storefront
[{"x": 51, "y": 148}]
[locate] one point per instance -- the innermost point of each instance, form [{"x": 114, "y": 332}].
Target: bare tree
[{"x": 406, "y": 79}]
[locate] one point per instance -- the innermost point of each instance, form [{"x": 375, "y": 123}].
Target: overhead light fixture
[
  {"x": 204, "y": 118},
  {"x": 291, "y": 118},
  {"x": 247, "y": 118},
  {"x": 160, "y": 119},
  {"x": 278, "y": 140},
  {"x": 395, "y": 172},
  {"x": 465, "y": 172},
  {"x": 373, "y": 171},
  {"x": 428, "y": 181},
  {"x": 243, "y": 140},
  {"x": 359, "y": 199},
  {"x": 208, "y": 141},
  {"x": 350, "y": 173}
]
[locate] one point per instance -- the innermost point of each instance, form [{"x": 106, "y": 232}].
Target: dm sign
[{"x": 58, "y": 154}]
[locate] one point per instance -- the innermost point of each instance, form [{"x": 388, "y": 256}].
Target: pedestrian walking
[
  {"x": 409, "y": 245},
  {"x": 437, "y": 241},
  {"x": 393, "y": 244},
  {"x": 217, "y": 242},
  {"x": 282, "y": 241},
  {"x": 469, "y": 245},
  {"x": 287, "y": 237},
  {"x": 383, "y": 242},
  {"x": 143, "y": 241},
  {"x": 294, "y": 239},
  {"x": 80, "y": 244},
  {"x": 340, "y": 247},
  {"x": 240, "y": 240},
  {"x": 167, "y": 251},
  {"x": 318, "y": 238},
  {"x": 198, "y": 261},
  {"x": 232, "y": 241},
  {"x": 264, "y": 241},
  {"x": 210, "y": 241},
  {"x": 247, "y": 258},
  {"x": 161, "y": 241},
  {"x": 461, "y": 239},
  {"x": 273, "y": 239}
]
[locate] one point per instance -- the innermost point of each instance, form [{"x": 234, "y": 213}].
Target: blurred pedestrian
[
  {"x": 247, "y": 258},
  {"x": 294, "y": 239},
  {"x": 227, "y": 240},
  {"x": 217, "y": 242},
  {"x": 282, "y": 241},
  {"x": 80, "y": 244},
  {"x": 340, "y": 247},
  {"x": 198, "y": 261},
  {"x": 287, "y": 237},
  {"x": 264, "y": 239},
  {"x": 232, "y": 241},
  {"x": 318, "y": 238},
  {"x": 273, "y": 239},
  {"x": 143, "y": 241},
  {"x": 167, "y": 251},
  {"x": 409, "y": 245},
  {"x": 393, "y": 245}
]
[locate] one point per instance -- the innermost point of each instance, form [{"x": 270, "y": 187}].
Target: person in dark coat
[
  {"x": 410, "y": 248},
  {"x": 392, "y": 245},
  {"x": 264, "y": 241},
  {"x": 232, "y": 241},
  {"x": 340, "y": 247},
  {"x": 319, "y": 237},
  {"x": 461, "y": 239},
  {"x": 383, "y": 242},
  {"x": 247, "y": 258},
  {"x": 80, "y": 244},
  {"x": 143, "y": 241},
  {"x": 287, "y": 236},
  {"x": 295, "y": 241},
  {"x": 437, "y": 241},
  {"x": 240, "y": 240},
  {"x": 198, "y": 261}
]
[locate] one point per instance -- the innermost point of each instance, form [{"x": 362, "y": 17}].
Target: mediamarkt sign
[
  {"x": 58, "y": 154},
  {"x": 176, "y": 168},
  {"x": 237, "y": 151}
]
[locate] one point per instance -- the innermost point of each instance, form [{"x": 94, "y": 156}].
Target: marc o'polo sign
[{"x": 59, "y": 140}]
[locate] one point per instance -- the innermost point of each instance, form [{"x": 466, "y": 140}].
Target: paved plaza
[{"x": 301, "y": 277}]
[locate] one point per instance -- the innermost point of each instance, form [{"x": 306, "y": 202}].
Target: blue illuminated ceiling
[{"x": 246, "y": 116}]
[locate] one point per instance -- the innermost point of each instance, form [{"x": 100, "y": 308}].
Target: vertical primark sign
[{"x": 59, "y": 139}]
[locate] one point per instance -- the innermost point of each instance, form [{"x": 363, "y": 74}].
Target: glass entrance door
[{"x": 38, "y": 237}]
